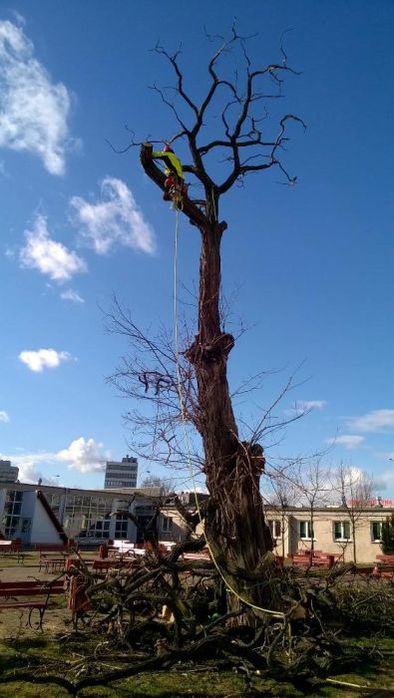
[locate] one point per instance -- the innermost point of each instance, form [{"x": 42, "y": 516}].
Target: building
[
  {"x": 293, "y": 528},
  {"x": 121, "y": 474},
  {"x": 335, "y": 530},
  {"x": 52, "y": 515},
  {"x": 8, "y": 472},
  {"x": 46, "y": 514}
]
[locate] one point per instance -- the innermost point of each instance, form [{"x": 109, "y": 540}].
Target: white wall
[{"x": 42, "y": 530}]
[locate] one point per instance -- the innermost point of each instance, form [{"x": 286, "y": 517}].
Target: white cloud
[
  {"x": 377, "y": 420},
  {"x": 30, "y": 474},
  {"x": 348, "y": 440},
  {"x": 71, "y": 295},
  {"x": 43, "y": 358},
  {"x": 306, "y": 405},
  {"x": 27, "y": 463},
  {"x": 4, "y": 416},
  {"x": 385, "y": 480},
  {"x": 114, "y": 219},
  {"x": 33, "y": 110},
  {"x": 47, "y": 255},
  {"x": 84, "y": 455}
]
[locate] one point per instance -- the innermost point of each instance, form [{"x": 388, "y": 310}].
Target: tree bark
[{"x": 234, "y": 521}]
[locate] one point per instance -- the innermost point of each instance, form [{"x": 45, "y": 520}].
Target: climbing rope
[{"x": 186, "y": 439}]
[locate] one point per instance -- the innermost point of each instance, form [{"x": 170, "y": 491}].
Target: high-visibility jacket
[{"x": 172, "y": 163}]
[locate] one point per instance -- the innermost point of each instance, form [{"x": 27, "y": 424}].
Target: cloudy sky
[{"x": 308, "y": 269}]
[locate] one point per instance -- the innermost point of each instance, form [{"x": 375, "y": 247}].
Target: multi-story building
[
  {"x": 8, "y": 472},
  {"x": 121, "y": 474}
]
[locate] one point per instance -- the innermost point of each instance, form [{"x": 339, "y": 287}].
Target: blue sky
[{"x": 310, "y": 267}]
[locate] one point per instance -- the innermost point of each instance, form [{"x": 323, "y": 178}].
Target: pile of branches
[
  {"x": 365, "y": 604},
  {"x": 160, "y": 611}
]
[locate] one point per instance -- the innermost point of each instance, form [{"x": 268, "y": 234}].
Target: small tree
[
  {"x": 284, "y": 495},
  {"x": 166, "y": 485},
  {"x": 312, "y": 480},
  {"x": 355, "y": 489},
  {"x": 387, "y": 543}
]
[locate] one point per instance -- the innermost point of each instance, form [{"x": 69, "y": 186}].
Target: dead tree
[{"x": 234, "y": 522}]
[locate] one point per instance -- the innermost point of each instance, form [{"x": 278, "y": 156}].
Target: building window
[
  {"x": 276, "y": 528},
  {"x": 306, "y": 530},
  {"x": 12, "y": 513},
  {"x": 376, "y": 531},
  {"x": 341, "y": 530},
  {"x": 121, "y": 526},
  {"x": 100, "y": 528},
  {"x": 166, "y": 524}
]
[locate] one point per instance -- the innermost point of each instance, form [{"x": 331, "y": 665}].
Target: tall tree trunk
[{"x": 234, "y": 523}]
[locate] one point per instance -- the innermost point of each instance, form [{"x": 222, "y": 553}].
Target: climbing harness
[{"x": 177, "y": 198}]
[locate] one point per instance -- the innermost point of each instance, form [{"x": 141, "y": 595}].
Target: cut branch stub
[
  {"x": 193, "y": 212},
  {"x": 206, "y": 353}
]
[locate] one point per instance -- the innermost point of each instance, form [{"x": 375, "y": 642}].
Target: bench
[
  {"x": 51, "y": 563},
  {"x": 11, "y": 547},
  {"x": 318, "y": 559},
  {"x": 12, "y": 592},
  {"x": 385, "y": 566},
  {"x": 114, "y": 564}
]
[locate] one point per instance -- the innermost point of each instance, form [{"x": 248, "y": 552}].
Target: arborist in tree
[{"x": 175, "y": 187}]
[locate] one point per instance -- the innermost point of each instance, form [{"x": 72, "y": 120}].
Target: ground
[{"x": 24, "y": 648}]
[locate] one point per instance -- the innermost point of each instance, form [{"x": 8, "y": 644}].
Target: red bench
[
  {"x": 114, "y": 564},
  {"x": 12, "y": 591},
  {"x": 385, "y": 566},
  {"x": 317, "y": 559},
  {"x": 12, "y": 547},
  {"x": 51, "y": 563}
]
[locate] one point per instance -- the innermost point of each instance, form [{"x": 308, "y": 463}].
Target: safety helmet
[{"x": 167, "y": 149}]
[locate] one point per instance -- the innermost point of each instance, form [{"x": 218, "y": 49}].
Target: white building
[
  {"x": 120, "y": 474},
  {"x": 44, "y": 514}
]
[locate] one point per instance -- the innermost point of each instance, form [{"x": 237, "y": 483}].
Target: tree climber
[{"x": 175, "y": 187}]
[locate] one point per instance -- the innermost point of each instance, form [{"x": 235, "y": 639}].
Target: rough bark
[{"x": 234, "y": 519}]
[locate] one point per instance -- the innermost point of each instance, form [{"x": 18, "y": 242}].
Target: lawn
[{"x": 195, "y": 681}]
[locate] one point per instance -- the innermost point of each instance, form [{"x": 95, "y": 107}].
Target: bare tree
[
  {"x": 234, "y": 520},
  {"x": 166, "y": 484},
  {"x": 312, "y": 480},
  {"x": 283, "y": 494},
  {"x": 355, "y": 489}
]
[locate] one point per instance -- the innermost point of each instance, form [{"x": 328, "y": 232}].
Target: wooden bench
[
  {"x": 113, "y": 564},
  {"x": 318, "y": 559},
  {"x": 51, "y": 563},
  {"x": 12, "y": 592},
  {"x": 12, "y": 547}
]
